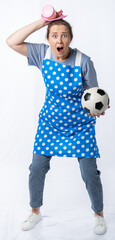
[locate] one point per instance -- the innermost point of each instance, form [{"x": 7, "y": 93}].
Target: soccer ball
[{"x": 95, "y": 100}]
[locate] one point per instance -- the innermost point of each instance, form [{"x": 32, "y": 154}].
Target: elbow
[{"x": 8, "y": 42}]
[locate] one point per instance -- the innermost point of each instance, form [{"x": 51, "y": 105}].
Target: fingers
[
  {"x": 98, "y": 115},
  {"x": 103, "y": 113},
  {"x": 91, "y": 115}
]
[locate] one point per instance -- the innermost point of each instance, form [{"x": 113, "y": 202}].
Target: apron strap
[
  {"x": 48, "y": 53},
  {"x": 78, "y": 58}
]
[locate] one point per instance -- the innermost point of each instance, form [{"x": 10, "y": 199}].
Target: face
[{"x": 59, "y": 40}]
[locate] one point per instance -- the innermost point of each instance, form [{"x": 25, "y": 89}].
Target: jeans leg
[
  {"x": 91, "y": 177},
  {"x": 38, "y": 169}
]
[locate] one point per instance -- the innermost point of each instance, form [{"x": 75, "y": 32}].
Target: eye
[
  {"x": 64, "y": 35},
  {"x": 54, "y": 36}
]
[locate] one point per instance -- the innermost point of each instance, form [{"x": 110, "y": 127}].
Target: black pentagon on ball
[
  {"x": 87, "y": 96},
  {"x": 101, "y": 92},
  {"x": 99, "y": 105},
  {"x": 86, "y": 109}
]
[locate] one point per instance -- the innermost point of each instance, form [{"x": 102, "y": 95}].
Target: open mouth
[{"x": 60, "y": 49}]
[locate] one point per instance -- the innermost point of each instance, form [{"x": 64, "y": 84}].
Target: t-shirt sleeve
[
  {"x": 89, "y": 74},
  {"x": 36, "y": 53}
]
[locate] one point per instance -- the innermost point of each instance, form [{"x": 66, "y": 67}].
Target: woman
[{"x": 64, "y": 128}]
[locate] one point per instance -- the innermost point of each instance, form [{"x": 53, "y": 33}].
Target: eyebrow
[{"x": 57, "y": 32}]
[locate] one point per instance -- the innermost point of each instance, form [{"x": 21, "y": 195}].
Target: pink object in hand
[{"x": 49, "y": 13}]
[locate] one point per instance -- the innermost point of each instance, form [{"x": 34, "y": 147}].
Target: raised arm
[{"x": 16, "y": 40}]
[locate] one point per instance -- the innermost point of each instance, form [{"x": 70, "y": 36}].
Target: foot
[
  {"x": 31, "y": 221},
  {"x": 100, "y": 225}
]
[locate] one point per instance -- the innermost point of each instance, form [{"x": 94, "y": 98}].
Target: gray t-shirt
[{"x": 36, "y": 54}]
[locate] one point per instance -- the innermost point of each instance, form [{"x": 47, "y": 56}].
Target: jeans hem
[
  {"x": 97, "y": 211},
  {"x": 36, "y": 205}
]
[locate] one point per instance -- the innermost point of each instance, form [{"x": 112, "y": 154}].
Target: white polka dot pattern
[{"x": 64, "y": 128}]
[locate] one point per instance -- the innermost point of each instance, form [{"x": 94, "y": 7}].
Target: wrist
[{"x": 43, "y": 23}]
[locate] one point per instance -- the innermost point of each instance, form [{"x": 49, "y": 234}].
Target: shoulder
[
  {"x": 37, "y": 48},
  {"x": 84, "y": 58},
  {"x": 36, "y": 53}
]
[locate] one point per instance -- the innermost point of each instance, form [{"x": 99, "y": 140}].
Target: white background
[{"x": 66, "y": 211}]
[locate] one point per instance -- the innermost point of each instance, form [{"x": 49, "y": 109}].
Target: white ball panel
[{"x": 94, "y": 99}]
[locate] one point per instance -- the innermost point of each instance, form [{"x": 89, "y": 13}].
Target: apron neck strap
[{"x": 78, "y": 58}]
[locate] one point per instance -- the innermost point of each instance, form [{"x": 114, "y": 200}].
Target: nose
[{"x": 59, "y": 39}]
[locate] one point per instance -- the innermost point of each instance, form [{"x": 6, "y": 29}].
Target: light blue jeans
[{"x": 89, "y": 172}]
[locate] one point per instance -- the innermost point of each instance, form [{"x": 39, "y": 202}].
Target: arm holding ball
[{"x": 94, "y": 100}]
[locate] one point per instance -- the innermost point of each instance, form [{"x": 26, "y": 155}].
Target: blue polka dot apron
[{"x": 64, "y": 127}]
